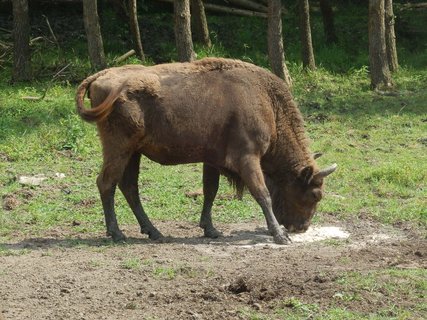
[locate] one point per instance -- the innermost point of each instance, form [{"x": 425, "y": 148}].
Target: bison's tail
[
  {"x": 101, "y": 111},
  {"x": 235, "y": 181},
  {"x": 238, "y": 186}
]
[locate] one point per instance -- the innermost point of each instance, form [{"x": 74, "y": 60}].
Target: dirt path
[{"x": 188, "y": 277}]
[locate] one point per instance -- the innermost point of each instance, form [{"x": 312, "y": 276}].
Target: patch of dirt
[
  {"x": 64, "y": 275},
  {"x": 13, "y": 200},
  {"x": 4, "y": 157},
  {"x": 10, "y": 202}
]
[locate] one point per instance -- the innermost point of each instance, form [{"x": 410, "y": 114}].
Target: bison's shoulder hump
[{"x": 212, "y": 64}]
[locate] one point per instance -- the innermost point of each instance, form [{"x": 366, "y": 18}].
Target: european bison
[{"x": 236, "y": 118}]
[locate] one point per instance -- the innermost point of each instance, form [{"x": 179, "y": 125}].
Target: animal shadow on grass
[{"x": 237, "y": 237}]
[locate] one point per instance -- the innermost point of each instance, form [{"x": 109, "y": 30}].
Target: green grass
[
  {"x": 388, "y": 282},
  {"x": 132, "y": 264},
  {"x": 5, "y": 252},
  {"x": 166, "y": 273},
  {"x": 377, "y": 141}
]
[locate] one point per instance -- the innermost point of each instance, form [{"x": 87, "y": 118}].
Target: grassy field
[{"x": 378, "y": 140}]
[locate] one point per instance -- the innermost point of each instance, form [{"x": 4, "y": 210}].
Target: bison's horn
[
  {"x": 327, "y": 171},
  {"x": 317, "y": 155}
]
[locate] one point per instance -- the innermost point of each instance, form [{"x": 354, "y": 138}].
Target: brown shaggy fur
[{"x": 238, "y": 119}]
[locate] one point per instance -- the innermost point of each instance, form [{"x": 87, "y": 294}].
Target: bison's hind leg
[
  {"x": 129, "y": 187},
  {"x": 107, "y": 181},
  {"x": 210, "y": 188}
]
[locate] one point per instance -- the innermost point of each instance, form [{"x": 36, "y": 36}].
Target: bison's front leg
[
  {"x": 251, "y": 173},
  {"x": 210, "y": 188}
]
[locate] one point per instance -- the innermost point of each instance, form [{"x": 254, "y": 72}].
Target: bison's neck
[{"x": 289, "y": 151}]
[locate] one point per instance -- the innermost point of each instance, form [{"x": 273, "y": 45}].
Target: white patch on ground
[
  {"x": 37, "y": 179},
  {"x": 320, "y": 233},
  {"x": 32, "y": 180},
  {"x": 257, "y": 237},
  {"x": 59, "y": 175},
  {"x": 311, "y": 235},
  {"x": 379, "y": 237},
  {"x": 376, "y": 239}
]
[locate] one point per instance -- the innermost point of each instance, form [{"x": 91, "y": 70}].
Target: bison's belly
[
  {"x": 171, "y": 143},
  {"x": 178, "y": 154}
]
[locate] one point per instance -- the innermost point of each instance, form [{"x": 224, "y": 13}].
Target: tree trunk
[
  {"x": 276, "y": 54},
  {"x": 390, "y": 36},
  {"x": 328, "y": 22},
  {"x": 380, "y": 72},
  {"x": 134, "y": 28},
  {"x": 305, "y": 33},
  {"x": 184, "y": 43},
  {"x": 21, "y": 40},
  {"x": 199, "y": 23},
  {"x": 93, "y": 32}
]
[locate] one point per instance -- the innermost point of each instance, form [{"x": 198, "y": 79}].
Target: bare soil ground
[{"x": 64, "y": 275}]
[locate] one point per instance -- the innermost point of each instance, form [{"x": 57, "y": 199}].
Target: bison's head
[{"x": 295, "y": 202}]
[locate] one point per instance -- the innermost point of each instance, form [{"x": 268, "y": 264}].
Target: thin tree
[
  {"x": 328, "y": 21},
  {"x": 305, "y": 34},
  {"x": 93, "y": 32},
  {"x": 390, "y": 36},
  {"x": 276, "y": 53},
  {"x": 134, "y": 28},
  {"x": 379, "y": 70},
  {"x": 184, "y": 43},
  {"x": 199, "y": 23},
  {"x": 21, "y": 41}
]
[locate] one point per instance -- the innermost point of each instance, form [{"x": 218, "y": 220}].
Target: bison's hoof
[
  {"x": 155, "y": 235},
  {"x": 212, "y": 233},
  {"x": 117, "y": 236},
  {"x": 282, "y": 239}
]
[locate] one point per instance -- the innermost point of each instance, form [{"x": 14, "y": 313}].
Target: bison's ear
[{"x": 306, "y": 175}]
